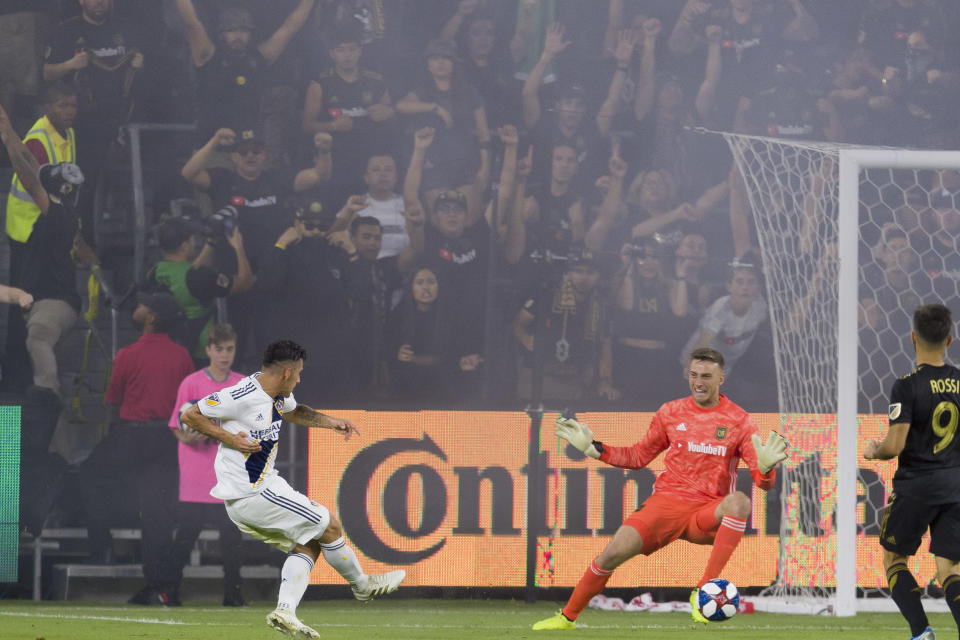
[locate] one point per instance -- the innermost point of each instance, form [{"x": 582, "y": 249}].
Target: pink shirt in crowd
[{"x": 196, "y": 460}]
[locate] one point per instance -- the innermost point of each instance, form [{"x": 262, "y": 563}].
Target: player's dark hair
[
  {"x": 360, "y": 220},
  {"x": 283, "y": 351},
  {"x": 707, "y": 354},
  {"x": 932, "y": 323},
  {"x": 221, "y": 333}
]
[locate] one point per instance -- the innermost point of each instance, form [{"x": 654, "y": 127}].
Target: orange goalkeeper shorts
[{"x": 662, "y": 518}]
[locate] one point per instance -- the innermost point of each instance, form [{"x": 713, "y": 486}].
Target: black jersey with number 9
[{"x": 929, "y": 465}]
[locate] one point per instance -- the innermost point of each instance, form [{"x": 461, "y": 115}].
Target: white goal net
[{"x": 848, "y": 254}]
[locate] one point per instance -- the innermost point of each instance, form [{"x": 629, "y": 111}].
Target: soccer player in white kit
[{"x": 246, "y": 419}]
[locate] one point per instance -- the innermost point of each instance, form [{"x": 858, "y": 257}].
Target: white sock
[
  {"x": 294, "y": 578},
  {"x": 342, "y": 558}
]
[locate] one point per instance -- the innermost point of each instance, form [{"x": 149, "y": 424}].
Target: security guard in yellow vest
[{"x": 51, "y": 140}]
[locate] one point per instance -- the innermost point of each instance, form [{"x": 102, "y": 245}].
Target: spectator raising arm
[
  {"x": 195, "y": 171},
  {"x": 614, "y": 27},
  {"x": 521, "y": 210},
  {"x": 272, "y": 47},
  {"x": 684, "y": 40},
  {"x": 307, "y": 179},
  {"x": 410, "y": 254},
  {"x": 707, "y": 95},
  {"x": 611, "y": 205},
  {"x": 508, "y": 181},
  {"x": 452, "y": 27},
  {"x": 553, "y": 44},
  {"x": 518, "y": 44},
  {"x": 201, "y": 47},
  {"x": 422, "y": 140},
  {"x": 623, "y": 54},
  {"x": 646, "y": 91}
]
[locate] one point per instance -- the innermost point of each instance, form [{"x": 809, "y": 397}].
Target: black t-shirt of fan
[
  {"x": 929, "y": 465},
  {"x": 260, "y": 204},
  {"x": 229, "y": 89},
  {"x": 110, "y": 46},
  {"x": 49, "y": 272}
]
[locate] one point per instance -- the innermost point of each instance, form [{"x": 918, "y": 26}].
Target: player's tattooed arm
[
  {"x": 307, "y": 417},
  {"x": 202, "y": 424}
]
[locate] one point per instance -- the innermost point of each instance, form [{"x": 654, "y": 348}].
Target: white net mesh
[{"x": 908, "y": 224}]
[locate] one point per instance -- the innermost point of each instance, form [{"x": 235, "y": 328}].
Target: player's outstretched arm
[
  {"x": 771, "y": 453},
  {"x": 202, "y": 424},
  {"x": 307, "y": 417}
]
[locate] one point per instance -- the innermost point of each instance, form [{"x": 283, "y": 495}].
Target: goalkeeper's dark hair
[
  {"x": 932, "y": 324},
  {"x": 706, "y": 354},
  {"x": 283, "y": 351}
]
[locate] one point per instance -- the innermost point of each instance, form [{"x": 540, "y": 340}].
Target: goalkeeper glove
[
  {"x": 770, "y": 454},
  {"x": 577, "y": 434}
]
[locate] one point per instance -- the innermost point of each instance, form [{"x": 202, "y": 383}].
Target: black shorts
[{"x": 906, "y": 519}]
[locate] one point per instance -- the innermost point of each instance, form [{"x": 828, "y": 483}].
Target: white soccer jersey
[{"x": 246, "y": 407}]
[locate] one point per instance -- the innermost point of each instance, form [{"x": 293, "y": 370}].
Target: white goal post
[
  {"x": 852, "y": 162},
  {"x": 818, "y": 209}
]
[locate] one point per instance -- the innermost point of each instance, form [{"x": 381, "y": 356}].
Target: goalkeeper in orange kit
[{"x": 705, "y": 435}]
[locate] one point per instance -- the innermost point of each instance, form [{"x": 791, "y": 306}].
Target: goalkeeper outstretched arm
[{"x": 579, "y": 435}]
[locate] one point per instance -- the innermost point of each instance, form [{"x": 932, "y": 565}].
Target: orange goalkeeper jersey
[{"x": 704, "y": 447}]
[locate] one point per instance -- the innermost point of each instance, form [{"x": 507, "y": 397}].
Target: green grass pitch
[{"x": 421, "y": 619}]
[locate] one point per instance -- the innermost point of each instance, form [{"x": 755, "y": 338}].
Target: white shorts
[{"x": 279, "y": 516}]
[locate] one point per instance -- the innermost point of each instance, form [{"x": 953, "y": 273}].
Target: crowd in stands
[{"x": 468, "y": 203}]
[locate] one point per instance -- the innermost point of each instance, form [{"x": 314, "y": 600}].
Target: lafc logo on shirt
[{"x": 721, "y": 433}]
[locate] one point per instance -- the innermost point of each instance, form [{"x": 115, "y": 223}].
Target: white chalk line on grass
[
  {"x": 650, "y": 627},
  {"x": 60, "y": 616}
]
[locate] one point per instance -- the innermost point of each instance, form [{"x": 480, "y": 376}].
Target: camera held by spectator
[{"x": 221, "y": 224}]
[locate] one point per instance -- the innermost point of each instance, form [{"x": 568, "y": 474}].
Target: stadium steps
[
  {"x": 68, "y": 543},
  {"x": 64, "y": 573}
]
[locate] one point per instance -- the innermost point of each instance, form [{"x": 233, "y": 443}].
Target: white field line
[{"x": 60, "y": 616}]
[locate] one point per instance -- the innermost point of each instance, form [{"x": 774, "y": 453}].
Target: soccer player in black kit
[{"x": 924, "y": 413}]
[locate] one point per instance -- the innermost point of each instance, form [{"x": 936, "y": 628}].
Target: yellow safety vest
[{"x": 22, "y": 211}]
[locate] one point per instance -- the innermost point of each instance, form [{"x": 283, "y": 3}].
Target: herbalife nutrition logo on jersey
[{"x": 709, "y": 449}]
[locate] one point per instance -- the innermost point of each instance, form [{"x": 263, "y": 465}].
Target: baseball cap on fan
[
  {"x": 235, "y": 19},
  {"x": 163, "y": 305},
  {"x": 250, "y": 138},
  {"x": 451, "y": 198}
]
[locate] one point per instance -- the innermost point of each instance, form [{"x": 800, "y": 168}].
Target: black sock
[
  {"x": 906, "y": 593},
  {"x": 951, "y": 591}
]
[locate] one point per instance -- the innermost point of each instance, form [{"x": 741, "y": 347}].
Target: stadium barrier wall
[{"x": 443, "y": 495}]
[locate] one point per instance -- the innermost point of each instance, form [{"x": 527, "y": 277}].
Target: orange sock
[
  {"x": 593, "y": 581},
  {"x": 728, "y": 537}
]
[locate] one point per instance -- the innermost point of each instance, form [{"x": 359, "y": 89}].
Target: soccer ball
[{"x": 718, "y": 600}]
